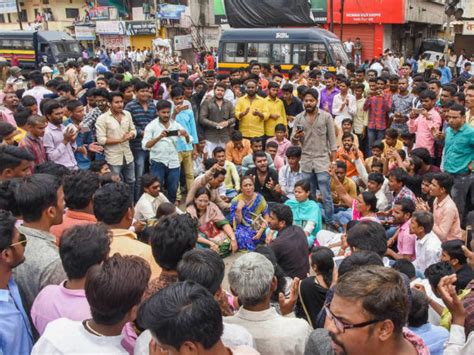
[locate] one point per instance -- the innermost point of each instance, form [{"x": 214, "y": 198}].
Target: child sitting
[{"x": 281, "y": 140}]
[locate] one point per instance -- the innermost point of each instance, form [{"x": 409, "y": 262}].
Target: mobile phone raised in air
[{"x": 172, "y": 133}]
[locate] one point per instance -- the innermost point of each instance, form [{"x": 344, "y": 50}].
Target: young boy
[
  {"x": 231, "y": 184},
  {"x": 361, "y": 118},
  {"x": 377, "y": 150},
  {"x": 346, "y": 127},
  {"x": 33, "y": 140},
  {"x": 377, "y": 105},
  {"x": 272, "y": 149},
  {"x": 391, "y": 141},
  {"x": 21, "y": 117},
  {"x": 281, "y": 140},
  {"x": 202, "y": 155}
]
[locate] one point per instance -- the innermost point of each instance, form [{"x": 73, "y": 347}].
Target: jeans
[
  {"x": 462, "y": 192},
  {"x": 140, "y": 156},
  {"x": 126, "y": 173},
  {"x": 374, "y": 135},
  {"x": 322, "y": 182},
  {"x": 168, "y": 177}
]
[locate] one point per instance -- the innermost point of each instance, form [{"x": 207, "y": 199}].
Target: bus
[
  {"x": 32, "y": 49},
  {"x": 283, "y": 46}
]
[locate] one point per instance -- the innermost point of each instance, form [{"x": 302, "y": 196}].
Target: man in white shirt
[
  {"x": 348, "y": 47},
  {"x": 428, "y": 245},
  {"x": 88, "y": 72},
  {"x": 291, "y": 172},
  {"x": 252, "y": 277},
  {"x": 114, "y": 290},
  {"x": 37, "y": 88}
]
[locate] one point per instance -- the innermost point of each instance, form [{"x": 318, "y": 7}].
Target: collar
[
  {"x": 5, "y": 293},
  {"x": 442, "y": 203},
  {"x": 427, "y": 237},
  {"x": 36, "y": 233},
  {"x": 75, "y": 293},
  {"x": 265, "y": 315},
  {"x": 54, "y": 127},
  {"x": 81, "y": 216},
  {"x": 119, "y": 232},
  {"x": 405, "y": 225}
]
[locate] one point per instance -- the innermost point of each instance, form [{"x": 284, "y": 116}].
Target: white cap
[{"x": 46, "y": 69}]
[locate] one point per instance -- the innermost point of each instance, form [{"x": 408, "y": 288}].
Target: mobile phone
[
  {"x": 172, "y": 133},
  {"x": 300, "y": 127}
]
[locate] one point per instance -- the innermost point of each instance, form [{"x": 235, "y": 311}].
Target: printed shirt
[
  {"x": 378, "y": 108},
  {"x": 6, "y": 115},
  {"x": 34, "y": 146},
  {"x": 423, "y": 129},
  {"x": 405, "y": 192},
  {"x": 91, "y": 118},
  {"x": 108, "y": 127},
  {"x": 165, "y": 150},
  {"x": 141, "y": 119},
  {"x": 402, "y": 104}
]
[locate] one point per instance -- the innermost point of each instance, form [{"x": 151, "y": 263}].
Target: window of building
[
  {"x": 24, "y": 16},
  {"x": 234, "y": 52},
  {"x": 2, "y": 18},
  {"x": 72, "y": 13},
  {"x": 259, "y": 52}
]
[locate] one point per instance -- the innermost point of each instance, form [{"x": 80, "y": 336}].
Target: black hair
[
  {"x": 376, "y": 177},
  {"x": 148, "y": 180},
  {"x": 399, "y": 175},
  {"x": 454, "y": 249},
  {"x": 273, "y": 85},
  {"x": 73, "y": 104},
  {"x": 459, "y": 108},
  {"x": 347, "y": 135},
  {"x": 96, "y": 165},
  {"x": 293, "y": 152},
  {"x": 163, "y": 104},
  {"x": 6, "y": 129},
  {"x": 114, "y": 94},
  {"x": 165, "y": 209},
  {"x": 182, "y": 312},
  {"x": 28, "y": 100},
  {"x": 50, "y": 106},
  {"x": 378, "y": 144},
  {"x": 322, "y": 257},
  {"x": 418, "y": 314},
  {"x": 428, "y": 94},
  {"x": 272, "y": 144},
  {"x": 124, "y": 85},
  {"x": 203, "y": 266},
  {"x": 36, "y": 193},
  {"x": 435, "y": 272},
  {"x": 280, "y": 127},
  {"x": 391, "y": 133},
  {"x": 111, "y": 202},
  {"x": 368, "y": 235},
  {"x": 408, "y": 206},
  {"x": 259, "y": 154},
  {"x": 66, "y": 88},
  {"x": 139, "y": 85},
  {"x": 218, "y": 149},
  {"x": 171, "y": 238},
  {"x": 359, "y": 259},
  {"x": 21, "y": 116},
  {"x": 7, "y": 229},
  {"x": 115, "y": 286},
  {"x": 79, "y": 187},
  {"x": 282, "y": 213},
  {"x": 445, "y": 181},
  {"x": 177, "y": 91},
  {"x": 341, "y": 165},
  {"x": 52, "y": 168},
  {"x": 370, "y": 200},
  {"x": 423, "y": 154},
  {"x": 405, "y": 267},
  {"x": 236, "y": 136},
  {"x": 313, "y": 92},
  {"x": 7, "y": 196},
  {"x": 424, "y": 219},
  {"x": 83, "y": 246},
  {"x": 102, "y": 93},
  {"x": 287, "y": 88},
  {"x": 12, "y": 156},
  {"x": 114, "y": 85},
  {"x": 304, "y": 184}
]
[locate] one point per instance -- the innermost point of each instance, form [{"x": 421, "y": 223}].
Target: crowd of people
[{"x": 123, "y": 188}]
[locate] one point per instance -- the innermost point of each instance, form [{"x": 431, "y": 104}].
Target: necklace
[{"x": 90, "y": 330}]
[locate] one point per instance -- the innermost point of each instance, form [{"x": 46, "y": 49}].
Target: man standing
[
  {"x": 217, "y": 117},
  {"x": 357, "y": 52},
  {"x": 38, "y": 91},
  {"x": 446, "y": 75},
  {"x": 276, "y": 110},
  {"x": 40, "y": 200},
  {"x": 349, "y": 47},
  {"x": 10, "y": 105},
  {"x": 402, "y": 103},
  {"x": 458, "y": 156},
  {"x": 251, "y": 111},
  {"x": 143, "y": 111},
  {"x": 328, "y": 93},
  {"x": 291, "y": 246},
  {"x": 315, "y": 134},
  {"x": 59, "y": 141},
  {"x": 293, "y": 105},
  {"x": 15, "y": 330},
  {"x": 115, "y": 129}
]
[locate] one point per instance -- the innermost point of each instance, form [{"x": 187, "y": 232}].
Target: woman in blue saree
[
  {"x": 306, "y": 212},
  {"x": 249, "y": 212}
]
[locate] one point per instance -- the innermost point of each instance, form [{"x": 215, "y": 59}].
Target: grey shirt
[
  {"x": 211, "y": 115},
  {"x": 318, "y": 142},
  {"x": 42, "y": 265}
]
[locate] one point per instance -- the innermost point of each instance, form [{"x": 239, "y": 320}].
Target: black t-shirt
[
  {"x": 311, "y": 300},
  {"x": 294, "y": 108},
  {"x": 464, "y": 276},
  {"x": 269, "y": 195}
]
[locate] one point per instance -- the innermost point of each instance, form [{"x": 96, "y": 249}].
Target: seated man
[
  {"x": 346, "y": 126},
  {"x": 252, "y": 278},
  {"x": 265, "y": 178},
  {"x": 114, "y": 289},
  {"x": 177, "y": 320},
  {"x": 453, "y": 253},
  {"x": 346, "y": 153},
  {"x": 290, "y": 173},
  {"x": 237, "y": 149},
  {"x": 231, "y": 185},
  {"x": 257, "y": 146},
  {"x": 341, "y": 213}
]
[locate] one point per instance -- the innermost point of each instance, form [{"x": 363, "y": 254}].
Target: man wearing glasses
[
  {"x": 368, "y": 312},
  {"x": 15, "y": 331}
]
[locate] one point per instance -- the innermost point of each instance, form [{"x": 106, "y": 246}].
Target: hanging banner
[
  {"x": 133, "y": 28},
  {"x": 170, "y": 11},
  {"x": 319, "y": 8},
  {"x": 7, "y": 6},
  {"x": 99, "y": 13},
  {"x": 110, "y": 27},
  {"x": 84, "y": 33},
  {"x": 114, "y": 41},
  {"x": 219, "y": 13}
]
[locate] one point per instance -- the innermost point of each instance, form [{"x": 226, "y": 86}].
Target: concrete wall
[{"x": 425, "y": 11}]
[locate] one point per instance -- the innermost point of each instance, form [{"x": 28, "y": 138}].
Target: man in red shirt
[
  {"x": 210, "y": 61},
  {"x": 156, "y": 68}
]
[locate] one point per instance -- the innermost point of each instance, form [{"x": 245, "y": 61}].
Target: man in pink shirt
[
  {"x": 402, "y": 212},
  {"x": 81, "y": 248},
  {"x": 10, "y": 104},
  {"x": 426, "y": 123},
  {"x": 447, "y": 225}
]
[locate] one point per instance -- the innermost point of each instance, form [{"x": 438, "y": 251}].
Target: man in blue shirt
[
  {"x": 143, "y": 111},
  {"x": 446, "y": 74},
  {"x": 458, "y": 156},
  {"x": 15, "y": 330},
  {"x": 183, "y": 114}
]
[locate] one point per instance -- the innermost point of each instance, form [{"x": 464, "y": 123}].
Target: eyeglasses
[
  {"x": 341, "y": 326},
  {"x": 22, "y": 241}
]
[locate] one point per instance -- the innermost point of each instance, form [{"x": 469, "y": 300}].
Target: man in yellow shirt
[
  {"x": 391, "y": 141},
  {"x": 251, "y": 111},
  {"x": 276, "y": 110}
]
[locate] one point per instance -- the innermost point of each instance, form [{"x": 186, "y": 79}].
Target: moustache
[{"x": 333, "y": 338}]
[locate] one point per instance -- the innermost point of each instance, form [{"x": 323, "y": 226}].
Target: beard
[{"x": 310, "y": 109}]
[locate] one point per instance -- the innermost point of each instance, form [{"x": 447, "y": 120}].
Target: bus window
[
  {"x": 299, "y": 54},
  {"x": 317, "y": 51},
  {"x": 234, "y": 52},
  {"x": 338, "y": 52},
  {"x": 259, "y": 52},
  {"x": 281, "y": 53}
]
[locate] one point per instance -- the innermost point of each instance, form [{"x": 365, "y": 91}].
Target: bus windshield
[{"x": 338, "y": 52}]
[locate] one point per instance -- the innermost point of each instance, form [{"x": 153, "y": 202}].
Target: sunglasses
[{"x": 22, "y": 241}]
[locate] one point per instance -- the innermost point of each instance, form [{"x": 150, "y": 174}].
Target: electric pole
[
  {"x": 342, "y": 18},
  {"x": 331, "y": 19}
]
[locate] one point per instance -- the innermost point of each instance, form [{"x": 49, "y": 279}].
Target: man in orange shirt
[
  {"x": 237, "y": 149},
  {"x": 79, "y": 187},
  {"x": 157, "y": 67},
  {"x": 346, "y": 154}
]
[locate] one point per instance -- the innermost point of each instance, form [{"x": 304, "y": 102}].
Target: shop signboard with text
[
  {"x": 110, "y": 27},
  {"x": 373, "y": 11},
  {"x": 133, "y": 28},
  {"x": 7, "y": 6},
  {"x": 84, "y": 33}
]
